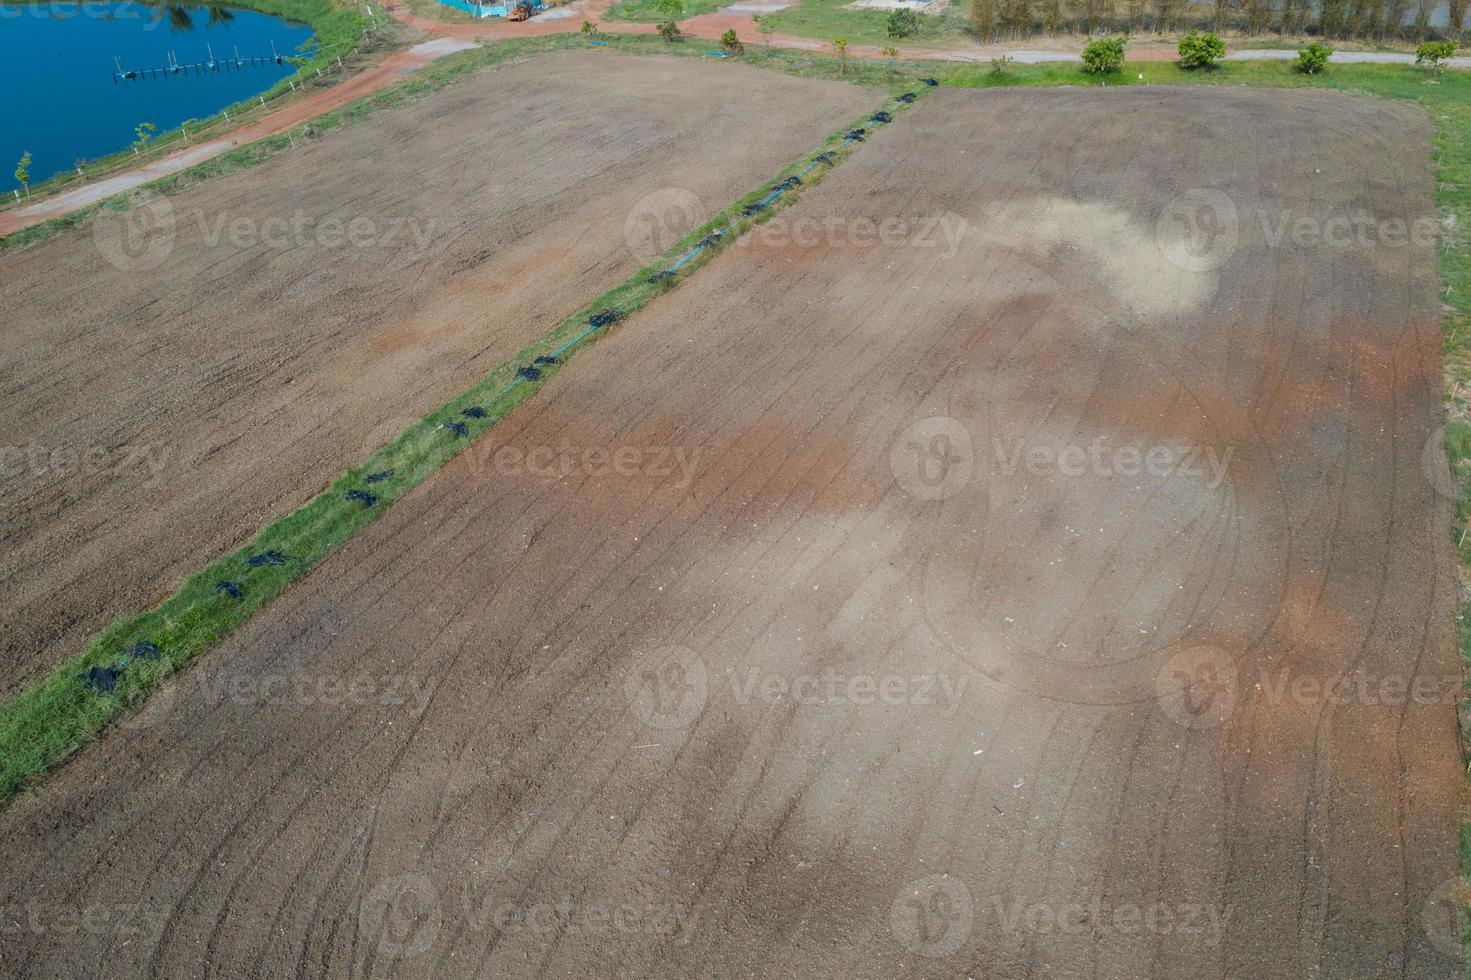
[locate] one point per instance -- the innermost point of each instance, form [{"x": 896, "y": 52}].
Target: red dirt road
[
  {"x": 168, "y": 396},
  {"x": 800, "y": 630}
]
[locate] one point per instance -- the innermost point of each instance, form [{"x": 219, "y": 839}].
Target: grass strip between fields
[{"x": 48, "y": 721}]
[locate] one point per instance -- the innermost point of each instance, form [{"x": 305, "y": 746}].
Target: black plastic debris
[
  {"x": 546, "y": 359},
  {"x": 930, "y": 82},
  {"x": 143, "y": 650},
  {"x": 661, "y": 275},
  {"x": 378, "y": 477},
  {"x": 908, "y": 97},
  {"x": 751, "y": 209},
  {"x": 605, "y": 317},
  {"x": 880, "y": 117},
  {"x": 457, "y": 429},
  {"x": 269, "y": 557},
  {"x": 231, "y": 589},
  {"x": 788, "y": 184},
  {"x": 473, "y": 412},
  {"x": 529, "y": 373},
  {"x": 103, "y": 679},
  {"x": 709, "y": 239},
  {"x": 363, "y": 497},
  {"x": 827, "y": 156},
  {"x": 857, "y": 135}
]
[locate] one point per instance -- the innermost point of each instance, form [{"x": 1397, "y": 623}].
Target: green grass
[
  {"x": 645, "y": 11},
  {"x": 829, "y": 19},
  {"x": 49, "y": 720}
]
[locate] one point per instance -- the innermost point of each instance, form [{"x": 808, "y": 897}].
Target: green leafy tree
[
  {"x": 902, "y": 23},
  {"x": 765, "y": 28},
  {"x": 840, "y": 45},
  {"x": 1200, "y": 50},
  {"x": 1455, "y": 18},
  {"x": 671, "y": 11},
  {"x": 23, "y": 172},
  {"x": 1103, "y": 55},
  {"x": 144, "y": 133},
  {"x": 730, "y": 42},
  {"x": 1312, "y": 59},
  {"x": 1432, "y": 53}
]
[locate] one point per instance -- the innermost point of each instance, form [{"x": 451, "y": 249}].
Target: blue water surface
[{"x": 62, "y": 101}]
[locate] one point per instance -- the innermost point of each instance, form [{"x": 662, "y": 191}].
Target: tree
[
  {"x": 1331, "y": 18},
  {"x": 1103, "y": 55},
  {"x": 1312, "y": 59},
  {"x": 23, "y": 171},
  {"x": 731, "y": 43},
  {"x": 902, "y": 23},
  {"x": 144, "y": 133},
  {"x": 840, "y": 45},
  {"x": 1432, "y": 53},
  {"x": 671, "y": 11},
  {"x": 1258, "y": 15},
  {"x": 1016, "y": 17},
  {"x": 1052, "y": 16},
  {"x": 1167, "y": 14},
  {"x": 1221, "y": 13},
  {"x": 589, "y": 29},
  {"x": 765, "y": 27},
  {"x": 1455, "y": 18},
  {"x": 1200, "y": 50},
  {"x": 984, "y": 16}
]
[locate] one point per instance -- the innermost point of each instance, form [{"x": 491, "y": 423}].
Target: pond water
[{"x": 63, "y": 101}]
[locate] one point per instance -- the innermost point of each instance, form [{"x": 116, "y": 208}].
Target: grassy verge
[
  {"x": 646, "y": 11},
  {"x": 49, "y": 720},
  {"x": 829, "y": 19}
]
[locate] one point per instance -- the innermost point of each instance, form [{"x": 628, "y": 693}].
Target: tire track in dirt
[{"x": 1058, "y": 790}]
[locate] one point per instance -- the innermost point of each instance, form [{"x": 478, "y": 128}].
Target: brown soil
[
  {"x": 529, "y": 723},
  {"x": 177, "y": 401}
]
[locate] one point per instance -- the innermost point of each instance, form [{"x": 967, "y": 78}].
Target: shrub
[
  {"x": 889, "y": 51},
  {"x": 1312, "y": 59},
  {"x": 1103, "y": 54},
  {"x": 1201, "y": 50},
  {"x": 669, "y": 30},
  {"x": 731, "y": 43},
  {"x": 1432, "y": 53},
  {"x": 589, "y": 28},
  {"x": 903, "y": 23},
  {"x": 999, "y": 65}
]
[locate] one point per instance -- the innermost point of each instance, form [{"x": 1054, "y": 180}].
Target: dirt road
[
  {"x": 170, "y": 389},
  {"x": 1018, "y": 561}
]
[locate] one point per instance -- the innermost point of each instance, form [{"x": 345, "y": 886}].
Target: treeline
[{"x": 1355, "y": 19}]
